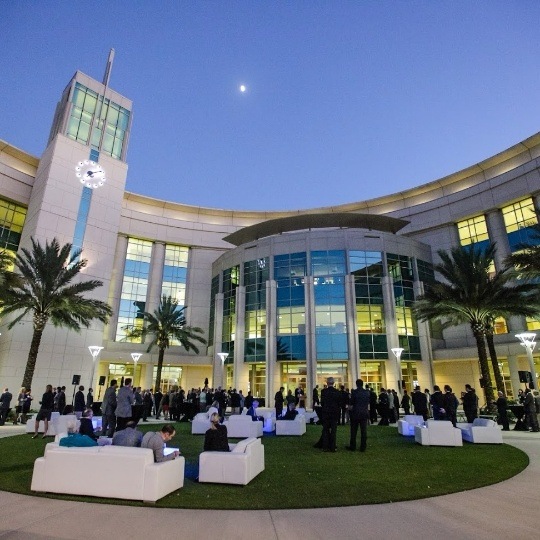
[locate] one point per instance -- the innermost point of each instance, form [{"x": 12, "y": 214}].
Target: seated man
[
  {"x": 156, "y": 441},
  {"x": 130, "y": 436},
  {"x": 215, "y": 439},
  {"x": 291, "y": 412},
  {"x": 252, "y": 412},
  {"x": 86, "y": 427}
]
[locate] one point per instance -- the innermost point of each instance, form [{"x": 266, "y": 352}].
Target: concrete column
[
  {"x": 240, "y": 368},
  {"x": 424, "y": 368},
  {"x": 217, "y": 368},
  {"x": 513, "y": 367},
  {"x": 272, "y": 365},
  {"x": 391, "y": 365},
  {"x": 115, "y": 291},
  {"x": 147, "y": 375},
  {"x": 497, "y": 233},
  {"x": 311, "y": 349},
  {"x": 155, "y": 278},
  {"x": 352, "y": 334}
]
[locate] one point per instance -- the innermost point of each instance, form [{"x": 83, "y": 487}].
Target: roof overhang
[{"x": 301, "y": 222}]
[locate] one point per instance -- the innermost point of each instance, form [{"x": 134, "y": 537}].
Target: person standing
[
  {"x": 109, "y": 410},
  {"x": 502, "y": 412},
  {"x": 450, "y": 404},
  {"x": 391, "y": 411},
  {"x": 531, "y": 421},
  {"x": 124, "y": 400},
  {"x": 79, "y": 403},
  {"x": 158, "y": 396},
  {"x": 19, "y": 407},
  {"x": 372, "y": 406},
  {"x": 420, "y": 403},
  {"x": 359, "y": 415},
  {"x": 331, "y": 404},
  {"x": 5, "y": 405},
  {"x": 44, "y": 413},
  {"x": 406, "y": 402},
  {"x": 148, "y": 402},
  {"x": 278, "y": 402},
  {"x": 90, "y": 398},
  {"x": 436, "y": 400},
  {"x": 470, "y": 403},
  {"x": 26, "y": 405},
  {"x": 344, "y": 405},
  {"x": 315, "y": 397}
]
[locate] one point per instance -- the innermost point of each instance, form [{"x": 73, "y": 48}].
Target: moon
[{"x": 243, "y": 88}]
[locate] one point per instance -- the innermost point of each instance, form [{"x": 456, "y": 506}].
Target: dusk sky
[{"x": 345, "y": 100}]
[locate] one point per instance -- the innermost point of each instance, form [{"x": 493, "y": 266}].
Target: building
[{"x": 289, "y": 298}]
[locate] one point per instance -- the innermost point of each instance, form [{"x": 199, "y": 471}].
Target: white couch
[
  {"x": 482, "y": 430},
  {"x": 242, "y": 426},
  {"x": 57, "y": 424},
  {"x": 438, "y": 433},
  {"x": 239, "y": 466},
  {"x": 89, "y": 471},
  {"x": 309, "y": 415},
  {"x": 201, "y": 422},
  {"x": 269, "y": 415},
  {"x": 291, "y": 427},
  {"x": 406, "y": 424}
]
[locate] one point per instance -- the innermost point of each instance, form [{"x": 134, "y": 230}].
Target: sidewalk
[{"x": 508, "y": 510}]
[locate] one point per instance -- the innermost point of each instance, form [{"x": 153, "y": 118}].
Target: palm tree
[
  {"x": 166, "y": 324},
  {"x": 44, "y": 288},
  {"x": 527, "y": 260},
  {"x": 7, "y": 277},
  {"x": 471, "y": 295}
]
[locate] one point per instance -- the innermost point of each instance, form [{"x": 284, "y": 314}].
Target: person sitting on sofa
[
  {"x": 252, "y": 412},
  {"x": 215, "y": 438},
  {"x": 86, "y": 427},
  {"x": 156, "y": 440},
  {"x": 291, "y": 413},
  {"x": 129, "y": 436}
]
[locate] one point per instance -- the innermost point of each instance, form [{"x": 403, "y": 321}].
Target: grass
[{"x": 297, "y": 475}]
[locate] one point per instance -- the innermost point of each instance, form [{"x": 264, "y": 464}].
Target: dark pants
[
  {"x": 503, "y": 420},
  {"x": 471, "y": 415},
  {"x": 383, "y": 411},
  {"x": 3, "y": 415},
  {"x": 121, "y": 422},
  {"x": 279, "y": 410},
  {"x": 362, "y": 422},
  {"x": 108, "y": 424},
  {"x": 329, "y": 432},
  {"x": 344, "y": 415}
]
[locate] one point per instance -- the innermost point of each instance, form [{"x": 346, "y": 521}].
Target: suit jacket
[
  {"x": 124, "y": 400},
  {"x": 360, "y": 398},
  {"x": 109, "y": 400},
  {"x": 5, "y": 399},
  {"x": 79, "y": 402},
  {"x": 154, "y": 441},
  {"x": 331, "y": 402}
]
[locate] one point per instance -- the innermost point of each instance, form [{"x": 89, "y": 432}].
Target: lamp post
[
  {"x": 223, "y": 356},
  {"x": 94, "y": 351},
  {"x": 527, "y": 341},
  {"x": 135, "y": 356},
  {"x": 397, "y": 353}
]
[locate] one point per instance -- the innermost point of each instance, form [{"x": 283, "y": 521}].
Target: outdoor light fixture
[
  {"x": 135, "y": 356},
  {"x": 397, "y": 353},
  {"x": 223, "y": 356},
  {"x": 527, "y": 341},
  {"x": 94, "y": 351}
]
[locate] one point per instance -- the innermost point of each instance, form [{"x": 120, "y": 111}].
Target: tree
[
  {"x": 527, "y": 260},
  {"x": 7, "y": 277},
  {"x": 45, "y": 290},
  {"x": 470, "y": 294},
  {"x": 166, "y": 324}
]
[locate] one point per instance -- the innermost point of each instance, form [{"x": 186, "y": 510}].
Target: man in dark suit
[
  {"x": 331, "y": 404},
  {"x": 109, "y": 410},
  {"x": 359, "y": 415},
  {"x": 79, "y": 404},
  {"x": 278, "y": 402},
  {"x": 5, "y": 405}
]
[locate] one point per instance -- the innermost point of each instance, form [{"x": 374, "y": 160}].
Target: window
[
  {"x": 473, "y": 230},
  {"x": 175, "y": 273},
  {"x": 519, "y": 218},
  {"x": 12, "y": 218}
]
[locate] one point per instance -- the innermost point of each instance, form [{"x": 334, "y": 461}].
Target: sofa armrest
[{"x": 163, "y": 478}]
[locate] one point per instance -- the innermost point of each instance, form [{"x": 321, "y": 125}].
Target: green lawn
[{"x": 297, "y": 475}]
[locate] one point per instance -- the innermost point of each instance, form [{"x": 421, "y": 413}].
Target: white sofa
[
  {"x": 309, "y": 415},
  {"x": 88, "y": 471},
  {"x": 201, "y": 422},
  {"x": 269, "y": 415},
  {"x": 239, "y": 466},
  {"x": 242, "y": 426},
  {"x": 482, "y": 430},
  {"x": 57, "y": 424},
  {"x": 406, "y": 424},
  {"x": 438, "y": 433},
  {"x": 291, "y": 427}
]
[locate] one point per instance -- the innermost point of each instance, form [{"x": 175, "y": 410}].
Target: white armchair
[
  {"x": 242, "y": 426},
  {"x": 482, "y": 430},
  {"x": 239, "y": 466},
  {"x": 291, "y": 427},
  {"x": 57, "y": 424},
  {"x": 438, "y": 433},
  {"x": 406, "y": 424},
  {"x": 269, "y": 415},
  {"x": 201, "y": 422}
]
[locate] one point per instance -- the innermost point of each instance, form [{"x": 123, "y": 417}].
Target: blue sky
[{"x": 345, "y": 100}]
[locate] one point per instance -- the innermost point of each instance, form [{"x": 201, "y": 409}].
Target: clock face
[{"x": 90, "y": 174}]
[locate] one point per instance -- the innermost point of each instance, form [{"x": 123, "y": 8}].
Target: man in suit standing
[
  {"x": 331, "y": 404},
  {"x": 79, "y": 403},
  {"x": 5, "y": 405},
  {"x": 124, "y": 401},
  {"x": 359, "y": 415},
  {"x": 109, "y": 410},
  {"x": 278, "y": 402}
]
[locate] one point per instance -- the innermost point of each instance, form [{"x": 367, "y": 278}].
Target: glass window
[
  {"x": 473, "y": 230},
  {"x": 519, "y": 219},
  {"x": 175, "y": 273},
  {"x": 12, "y": 217}
]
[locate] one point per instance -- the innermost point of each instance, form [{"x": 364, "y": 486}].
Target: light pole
[
  {"x": 135, "y": 356},
  {"x": 397, "y": 353},
  {"x": 223, "y": 356},
  {"x": 527, "y": 341},
  {"x": 94, "y": 351}
]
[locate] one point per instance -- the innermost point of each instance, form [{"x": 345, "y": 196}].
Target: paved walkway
[{"x": 509, "y": 510}]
